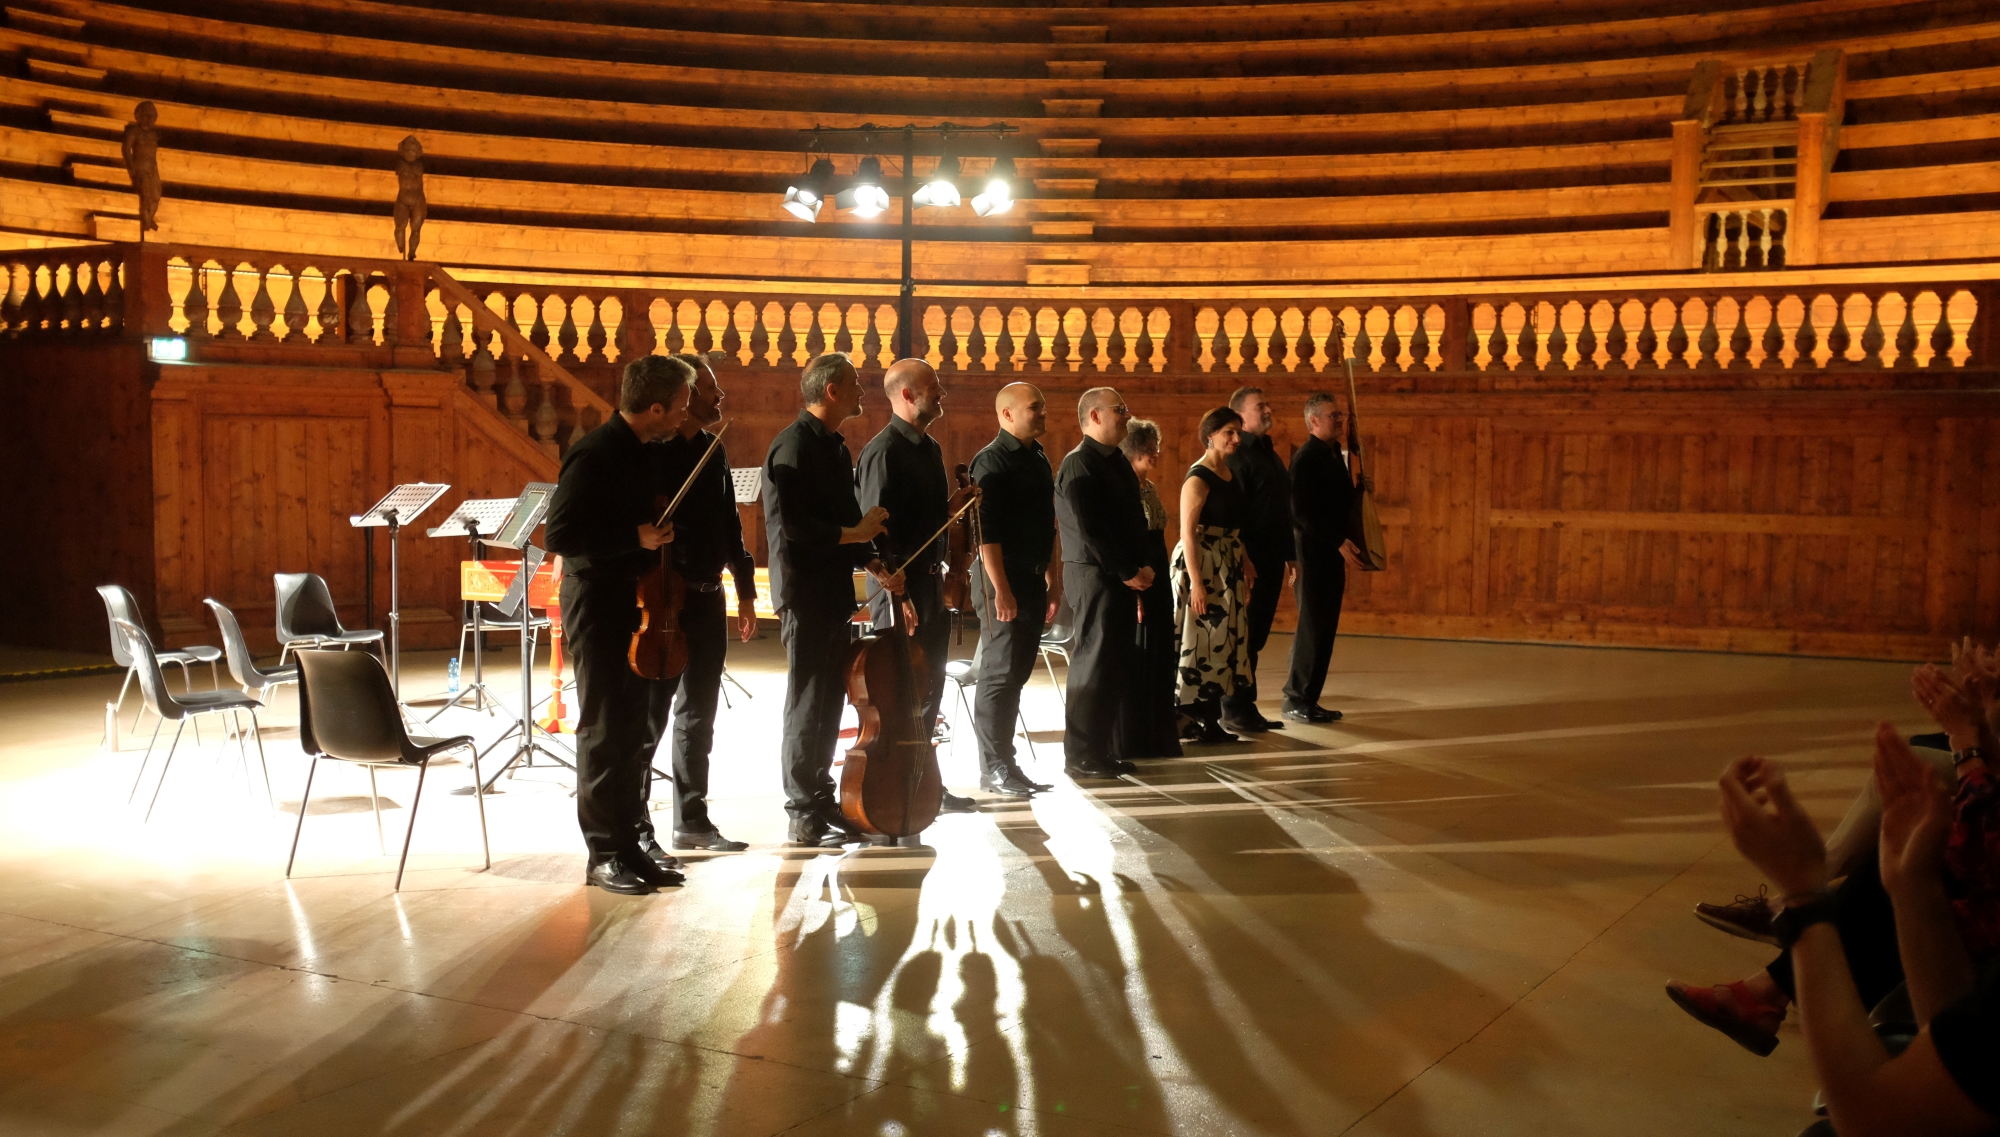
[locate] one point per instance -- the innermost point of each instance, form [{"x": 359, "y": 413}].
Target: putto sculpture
[{"x": 409, "y": 196}]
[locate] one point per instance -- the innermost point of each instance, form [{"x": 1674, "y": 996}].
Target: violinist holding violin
[
  {"x": 902, "y": 471},
  {"x": 602, "y": 523},
  {"x": 708, "y": 539}
]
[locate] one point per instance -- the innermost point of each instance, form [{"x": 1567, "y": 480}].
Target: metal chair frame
[
  {"x": 294, "y": 587},
  {"x": 963, "y": 673},
  {"x": 184, "y": 709},
  {"x": 120, "y": 604},
  {"x": 1056, "y": 641},
  {"x": 373, "y": 685},
  {"x": 242, "y": 665}
]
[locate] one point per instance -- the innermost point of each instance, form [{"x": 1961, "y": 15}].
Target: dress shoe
[
  {"x": 660, "y": 856},
  {"x": 952, "y": 803},
  {"x": 1733, "y": 1010},
  {"x": 1748, "y": 917},
  {"x": 709, "y": 841},
  {"x": 1007, "y": 783},
  {"x": 1311, "y": 714},
  {"x": 810, "y": 832},
  {"x": 615, "y": 875},
  {"x": 1086, "y": 771},
  {"x": 657, "y": 874},
  {"x": 1212, "y": 734},
  {"x": 1244, "y": 726}
]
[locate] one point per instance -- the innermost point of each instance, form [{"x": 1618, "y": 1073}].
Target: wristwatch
[
  {"x": 1969, "y": 754},
  {"x": 1791, "y": 921}
]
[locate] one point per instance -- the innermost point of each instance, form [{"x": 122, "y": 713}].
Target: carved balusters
[
  {"x": 1941, "y": 337},
  {"x": 194, "y": 309},
  {"x": 1118, "y": 344},
  {"x": 542, "y": 426},
  {"x": 1009, "y": 350},
  {"x": 514, "y": 398},
  {"x": 1906, "y": 333}
]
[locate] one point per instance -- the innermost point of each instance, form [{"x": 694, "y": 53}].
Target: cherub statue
[
  {"x": 142, "y": 162},
  {"x": 409, "y": 195}
]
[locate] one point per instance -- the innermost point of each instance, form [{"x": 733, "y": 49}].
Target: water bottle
[{"x": 451, "y": 676}]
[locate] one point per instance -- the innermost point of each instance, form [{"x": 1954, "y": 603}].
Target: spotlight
[
  {"x": 942, "y": 189},
  {"x": 999, "y": 195},
  {"x": 866, "y": 197},
  {"x": 804, "y": 200}
]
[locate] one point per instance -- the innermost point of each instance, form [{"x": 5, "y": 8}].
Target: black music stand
[
  {"x": 398, "y": 507},
  {"x": 529, "y": 510},
  {"x": 473, "y": 517},
  {"x": 748, "y": 482}
]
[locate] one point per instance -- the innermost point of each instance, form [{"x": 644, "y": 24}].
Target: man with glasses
[
  {"x": 1323, "y": 493},
  {"x": 1103, "y": 523}
]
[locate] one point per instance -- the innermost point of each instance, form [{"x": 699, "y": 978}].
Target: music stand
[
  {"x": 748, "y": 482},
  {"x": 529, "y": 510},
  {"x": 397, "y": 508},
  {"x": 473, "y": 517}
]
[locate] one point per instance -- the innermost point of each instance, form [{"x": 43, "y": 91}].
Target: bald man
[
  {"x": 902, "y": 471},
  {"x": 1104, "y": 537},
  {"x": 1019, "y": 584}
]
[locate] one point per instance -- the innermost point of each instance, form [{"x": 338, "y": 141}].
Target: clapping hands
[
  {"x": 1916, "y": 812},
  {"x": 1770, "y": 828}
]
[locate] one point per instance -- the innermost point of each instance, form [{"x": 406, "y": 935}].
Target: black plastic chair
[
  {"x": 348, "y": 712},
  {"x": 242, "y": 665},
  {"x": 964, "y": 673},
  {"x": 306, "y": 617},
  {"x": 119, "y": 604},
  {"x": 181, "y": 710},
  {"x": 1056, "y": 640}
]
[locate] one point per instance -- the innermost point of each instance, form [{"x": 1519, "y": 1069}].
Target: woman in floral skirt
[{"x": 1212, "y": 579}]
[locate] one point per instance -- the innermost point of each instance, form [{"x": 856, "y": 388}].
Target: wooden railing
[{"x": 516, "y": 344}]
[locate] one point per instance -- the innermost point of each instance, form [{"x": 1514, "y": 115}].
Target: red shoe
[{"x": 1733, "y": 1010}]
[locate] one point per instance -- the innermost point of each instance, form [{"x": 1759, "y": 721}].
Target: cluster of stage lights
[{"x": 865, "y": 196}]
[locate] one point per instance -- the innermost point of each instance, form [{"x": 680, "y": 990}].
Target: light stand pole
[{"x": 906, "y": 298}]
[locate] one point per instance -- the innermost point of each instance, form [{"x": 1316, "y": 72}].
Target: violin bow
[
  {"x": 949, "y": 522},
  {"x": 685, "y": 486}
]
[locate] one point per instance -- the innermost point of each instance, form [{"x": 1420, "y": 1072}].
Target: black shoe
[
  {"x": 658, "y": 875},
  {"x": 808, "y": 831},
  {"x": 1121, "y": 766},
  {"x": 953, "y": 803},
  {"x": 660, "y": 856},
  {"x": 1007, "y": 783},
  {"x": 838, "y": 829},
  {"x": 710, "y": 841},
  {"x": 1311, "y": 714},
  {"x": 1086, "y": 771},
  {"x": 1244, "y": 726},
  {"x": 616, "y": 876},
  {"x": 1212, "y": 734}
]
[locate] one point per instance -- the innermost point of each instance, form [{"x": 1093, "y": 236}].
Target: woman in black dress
[
  {"x": 1149, "y": 725},
  {"x": 1212, "y": 579}
]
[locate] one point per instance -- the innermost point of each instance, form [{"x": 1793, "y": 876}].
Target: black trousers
[
  {"x": 925, "y": 592},
  {"x": 1100, "y": 663},
  {"x": 1264, "y": 597},
  {"x": 619, "y": 716},
  {"x": 1007, "y": 655},
  {"x": 1866, "y": 922},
  {"x": 817, "y": 647},
  {"x": 1148, "y": 724},
  {"x": 705, "y": 619},
  {"x": 1321, "y": 586}
]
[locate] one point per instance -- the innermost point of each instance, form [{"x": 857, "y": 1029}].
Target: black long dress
[{"x": 1149, "y": 726}]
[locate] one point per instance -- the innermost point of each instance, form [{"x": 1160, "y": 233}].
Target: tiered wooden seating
[{"x": 1193, "y": 142}]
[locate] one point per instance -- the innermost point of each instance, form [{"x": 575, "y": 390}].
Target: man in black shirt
[
  {"x": 1322, "y": 527},
  {"x": 1267, "y": 538},
  {"x": 600, "y": 523},
  {"x": 708, "y": 537},
  {"x": 1103, "y": 524},
  {"x": 817, "y": 536},
  {"x": 1018, "y": 589}
]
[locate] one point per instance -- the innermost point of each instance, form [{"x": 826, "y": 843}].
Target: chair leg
[
  {"x": 375, "y": 799},
  {"x": 140, "y": 777},
  {"x": 1032, "y": 755},
  {"x": 301, "y": 827},
  {"x": 412, "y": 830},
  {"x": 214, "y": 677},
  {"x": 479, "y": 795},
  {"x": 257, "y": 732},
  {"x": 164, "y": 767},
  {"x": 1050, "y": 664}
]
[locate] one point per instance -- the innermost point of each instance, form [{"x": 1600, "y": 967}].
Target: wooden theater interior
[{"x": 1675, "y": 337}]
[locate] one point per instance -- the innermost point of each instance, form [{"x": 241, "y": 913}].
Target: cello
[
  {"x": 1374, "y": 549},
  {"x": 659, "y": 648},
  {"x": 890, "y": 784}
]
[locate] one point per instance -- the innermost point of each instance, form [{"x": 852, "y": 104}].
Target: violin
[
  {"x": 890, "y": 783},
  {"x": 659, "y": 648},
  {"x": 962, "y": 550}
]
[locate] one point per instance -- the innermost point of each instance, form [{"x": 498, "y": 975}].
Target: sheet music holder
[
  {"x": 509, "y": 604},
  {"x": 398, "y": 508},
  {"x": 475, "y": 519},
  {"x": 749, "y": 483},
  {"x": 529, "y": 510}
]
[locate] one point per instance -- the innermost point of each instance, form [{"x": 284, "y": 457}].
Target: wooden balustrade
[
  {"x": 1760, "y": 92},
  {"x": 509, "y": 368},
  {"x": 74, "y": 291},
  {"x": 1743, "y": 235}
]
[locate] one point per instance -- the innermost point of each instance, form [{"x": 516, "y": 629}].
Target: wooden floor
[{"x": 1451, "y": 913}]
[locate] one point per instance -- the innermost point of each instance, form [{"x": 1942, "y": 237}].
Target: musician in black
[
  {"x": 1267, "y": 539},
  {"x": 1323, "y": 499},
  {"x": 817, "y": 536},
  {"x": 1018, "y": 584},
  {"x": 708, "y": 537},
  {"x": 1103, "y": 525},
  {"x": 601, "y": 523}
]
